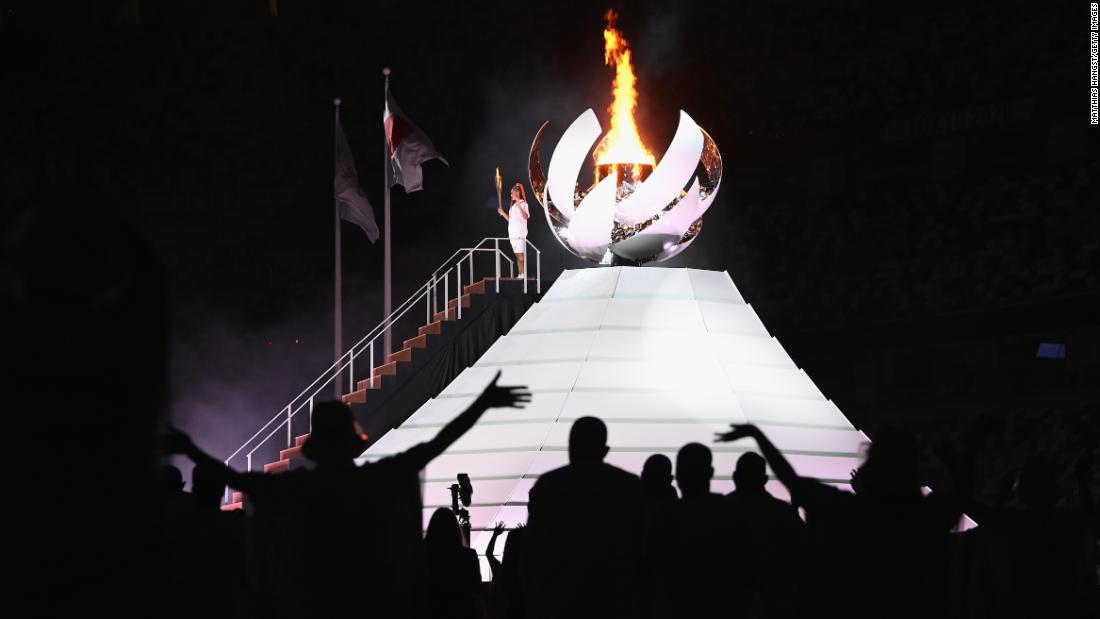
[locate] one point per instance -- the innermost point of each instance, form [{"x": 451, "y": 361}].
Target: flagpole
[
  {"x": 387, "y": 298},
  {"x": 338, "y": 326}
]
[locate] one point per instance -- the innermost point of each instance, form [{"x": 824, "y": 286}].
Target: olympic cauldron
[{"x": 634, "y": 212}]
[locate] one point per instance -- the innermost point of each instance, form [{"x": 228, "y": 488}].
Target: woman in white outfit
[{"x": 517, "y": 225}]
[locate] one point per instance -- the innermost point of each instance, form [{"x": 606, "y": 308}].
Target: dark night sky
[{"x": 208, "y": 126}]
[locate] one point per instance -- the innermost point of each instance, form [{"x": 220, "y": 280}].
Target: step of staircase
[
  {"x": 232, "y": 507},
  {"x": 293, "y": 453},
  {"x": 359, "y": 396},
  {"x": 453, "y": 303},
  {"x": 238, "y": 497},
  {"x": 432, "y": 329},
  {"x": 420, "y": 341},
  {"x": 441, "y": 316},
  {"x": 475, "y": 288},
  {"x": 281, "y": 466},
  {"x": 300, "y": 440},
  {"x": 365, "y": 385},
  {"x": 405, "y": 354},
  {"x": 386, "y": 369}
]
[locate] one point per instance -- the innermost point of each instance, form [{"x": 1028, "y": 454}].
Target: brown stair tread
[
  {"x": 300, "y": 440},
  {"x": 432, "y": 329},
  {"x": 232, "y": 506},
  {"x": 477, "y": 287},
  {"x": 386, "y": 369},
  {"x": 292, "y": 453},
  {"x": 453, "y": 303},
  {"x": 280, "y": 466},
  {"x": 355, "y": 397},
  {"x": 405, "y": 355},
  {"x": 420, "y": 341},
  {"x": 364, "y": 385}
]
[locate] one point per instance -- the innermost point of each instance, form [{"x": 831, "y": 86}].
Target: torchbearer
[{"x": 517, "y": 225}]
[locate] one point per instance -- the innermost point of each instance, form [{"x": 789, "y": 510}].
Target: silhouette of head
[
  {"x": 892, "y": 466},
  {"x": 1037, "y": 483},
  {"x": 694, "y": 469},
  {"x": 657, "y": 476},
  {"x": 587, "y": 441},
  {"x": 207, "y": 486},
  {"x": 443, "y": 531},
  {"x": 171, "y": 479},
  {"x": 751, "y": 473},
  {"x": 333, "y": 439}
]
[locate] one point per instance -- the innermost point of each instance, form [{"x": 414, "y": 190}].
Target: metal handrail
[{"x": 427, "y": 293}]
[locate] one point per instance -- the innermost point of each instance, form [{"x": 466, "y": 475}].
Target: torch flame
[
  {"x": 499, "y": 187},
  {"x": 623, "y": 144}
]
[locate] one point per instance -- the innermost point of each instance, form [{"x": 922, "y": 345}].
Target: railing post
[
  {"x": 525, "y": 255},
  {"x": 446, "y": 296},
  {"x": 372, "y": 364},
  {"x": 538, "y": 270},
  {"x": 248, "y": 460},
  {"x": 470, "y": 257},
  {"x": 428, "y": 303},
  {"x": 311, "y": 415},
  {"x": 351, "y": 371},
  {"x": 496, "y": 257},
  {"x": 458, "y": 302},
  {"x": 289, "y": 428}
]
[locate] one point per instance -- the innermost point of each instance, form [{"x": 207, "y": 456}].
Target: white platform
[{"x": 663, "y": 356}]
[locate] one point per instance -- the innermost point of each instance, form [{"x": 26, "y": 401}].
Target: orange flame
[{"x": 623, "y": 144}]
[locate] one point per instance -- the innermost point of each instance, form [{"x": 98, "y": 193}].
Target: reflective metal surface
[{"x": 632, "y": 214}]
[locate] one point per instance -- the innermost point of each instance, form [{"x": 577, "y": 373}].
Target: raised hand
[
  {"x": 737, "y": 431},
  {"x": 497, "y": 396},
  {"x": 498, "y": 529},
  {"x": 176, "y": 442}
]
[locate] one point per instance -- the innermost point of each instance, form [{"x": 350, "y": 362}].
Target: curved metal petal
[
  {"x": 675, "y": 249},
  {"x": 668, "y": 178},
  {"x": 705, "y": 203},
  {"x": 590, "y": 229},
  {"x": 663, "y": 233},
  {"x": 534, "y": 166},
  {"x": 569, "y": 155}
]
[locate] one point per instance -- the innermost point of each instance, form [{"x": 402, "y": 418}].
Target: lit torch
[{"x": 500, "y": 205}]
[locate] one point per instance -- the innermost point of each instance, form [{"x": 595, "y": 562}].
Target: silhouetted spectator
[
  {"x": 657, "y": 479},
  {"x": 772, "y": 538},
  {"x": 490, "y": 550},
  {"x": 584, "y": 520},
  {"x": 339, "y": 528},
  {"x": 507, "y": 589},
  {"x": 1039, "y": 561},
  {"x": 693, "y": 557},
  {"x": 220, "y": 586},
  {"x": 83, "y": 300},
  {"x": 883, "y": 546},
  {"x": 454, "y": 577}
]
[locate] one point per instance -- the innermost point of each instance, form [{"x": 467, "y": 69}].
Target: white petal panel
[
  {"x": 668, "y": 178},
  {"x": 570, "y": 154},
  {"x": 590, "y": 228}
]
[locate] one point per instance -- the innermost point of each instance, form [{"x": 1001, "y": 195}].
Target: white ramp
[{"x": 663, "y": 356}]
